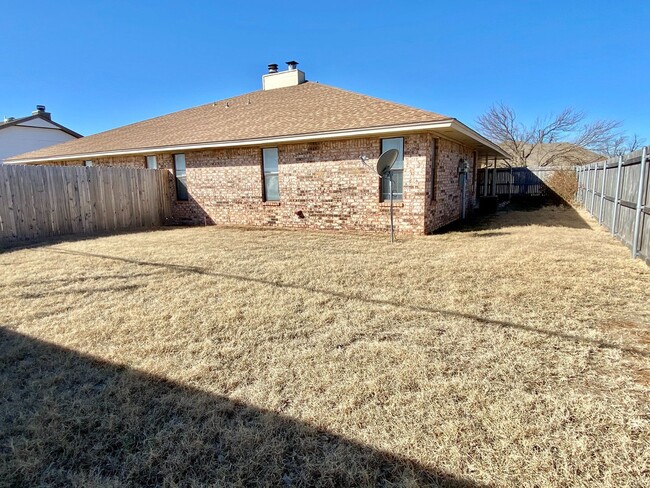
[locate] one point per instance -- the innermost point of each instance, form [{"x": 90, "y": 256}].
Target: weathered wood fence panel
[
  {"x": 515, "y": 182},
  {"x": 37, "y": 202},
  {"x": 615, "y": 192}
]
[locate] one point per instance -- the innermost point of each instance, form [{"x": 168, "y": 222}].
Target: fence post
[
  {"x": 639, "y": 206},
  {"x": 585, "y": 190},
  {"x": 581, "y": 185},
  {"x": 616, "y": 195},
  {"x": 602, "y": 194},
  {"x": 593, "y": 190},
  {"x": 587, "y": 182}
]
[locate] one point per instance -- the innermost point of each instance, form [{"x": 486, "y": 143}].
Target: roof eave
[
  {"x": 288, "y": 139},
  {"x": 492, "y": 149}
]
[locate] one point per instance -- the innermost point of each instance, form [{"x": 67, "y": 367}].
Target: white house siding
[{"x": 19, "y": 139}]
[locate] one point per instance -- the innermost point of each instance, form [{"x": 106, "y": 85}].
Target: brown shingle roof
[{"x": 303, "y": 109}]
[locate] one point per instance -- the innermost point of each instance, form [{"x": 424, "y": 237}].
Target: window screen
[{"x": 271, "y": 169}]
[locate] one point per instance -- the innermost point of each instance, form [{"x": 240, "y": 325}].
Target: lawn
[{"x": 510, "y": 353}]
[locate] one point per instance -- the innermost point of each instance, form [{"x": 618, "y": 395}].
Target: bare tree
[
  {"x": 623, "y": 144},
  {"x": 563, "y": 138}
]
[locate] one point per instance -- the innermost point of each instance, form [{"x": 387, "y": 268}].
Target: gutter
[{"x": 268, "y": 141}]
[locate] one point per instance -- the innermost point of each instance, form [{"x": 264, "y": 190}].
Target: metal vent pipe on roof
[
  {"x": 291, "y": 65},
  {"x": 273, "y": 68},
  {"x": 40, "y": 110}
]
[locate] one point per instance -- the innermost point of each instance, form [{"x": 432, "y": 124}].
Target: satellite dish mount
[{"x": 384, "y": 166}]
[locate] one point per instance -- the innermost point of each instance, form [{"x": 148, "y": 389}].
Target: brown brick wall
[
  {"x": 325, "y": 181},
  {"x": 125, "y": 161},
  {"x": 446, "y": 206}
]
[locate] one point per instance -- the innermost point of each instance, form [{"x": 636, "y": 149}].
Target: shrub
[{"x": 563, "y": 184}]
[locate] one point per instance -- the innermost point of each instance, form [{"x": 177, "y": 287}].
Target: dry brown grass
[{"x": 510, "y": 354}]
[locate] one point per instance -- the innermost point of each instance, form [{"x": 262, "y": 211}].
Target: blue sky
[{"x": 98, "y": 65}]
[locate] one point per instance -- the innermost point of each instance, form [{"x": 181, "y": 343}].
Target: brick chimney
[{"x": 291, "y": 77}]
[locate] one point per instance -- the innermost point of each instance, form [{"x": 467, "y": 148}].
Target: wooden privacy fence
[
  {"x": 37, "y": 202},
  {"x": 515, "y": 182},
  {"x": 615, "y": 192}
]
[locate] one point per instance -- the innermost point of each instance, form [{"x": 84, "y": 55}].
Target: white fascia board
[{"x": 267, "y": 141}]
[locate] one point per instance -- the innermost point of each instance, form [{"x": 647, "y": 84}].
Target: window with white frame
[
  {"x": 181, "y": 179},
  {"x": 88, "y": 163},
  {"x": 270, "y": 172},
  {"x": 151, "y": 162}
]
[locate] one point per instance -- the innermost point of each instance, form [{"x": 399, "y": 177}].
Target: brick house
[{"x": 289, "y": 156}]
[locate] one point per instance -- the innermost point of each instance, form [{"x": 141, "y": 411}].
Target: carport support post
[
  {"x": 494, "y": 178},
  {"x": 616, "y": 194},
  {"x": 485, "y": 183},
  {"x": 639, "y": 205},
  {"x": 602, "y": 193}
]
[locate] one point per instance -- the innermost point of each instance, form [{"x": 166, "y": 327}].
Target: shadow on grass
[
  {"x": 15, "y": 245},
  {"x": 67, "y": 419},
  {"x": 77, "y": 279},
  {"x": 544, "y": 212},
  {"x": 482, "y": 320},
  {"x": 491, "y": 234},
  {"x": 80, "y": 291}
]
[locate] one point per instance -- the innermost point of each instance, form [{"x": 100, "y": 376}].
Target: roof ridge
[{"x": 383, "y": 100}]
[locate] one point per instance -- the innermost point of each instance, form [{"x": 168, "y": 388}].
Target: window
[
  {"x": 397, "y": 169},
  {"x": 88, "y": 163},
  {"x": 270, "y": 174},
  {"x": 151, "y": 162},
  {"x": 434, "y": 162},
  {"x": 179, "y": 172}
]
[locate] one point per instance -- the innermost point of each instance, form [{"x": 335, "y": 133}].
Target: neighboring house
[
  {"x": 289, "y": 156},
  {"x": 36, "y": 131},
  {"x": 557, "y": 155}
]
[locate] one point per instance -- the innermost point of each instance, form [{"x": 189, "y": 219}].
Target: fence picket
[
  {"x": 630, "y": 215},
  {"x": 41, "y": 201},
  {"x": 602, "y": 194}
]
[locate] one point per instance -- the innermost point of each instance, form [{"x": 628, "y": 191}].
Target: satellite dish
[{"x": 386, "y": 161}]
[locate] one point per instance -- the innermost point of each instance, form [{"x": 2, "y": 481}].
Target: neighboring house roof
[
  {"x": 308, "y": 111},
  {"x": 560, "y": 154},
  {"x": 22, "y": 122}
]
